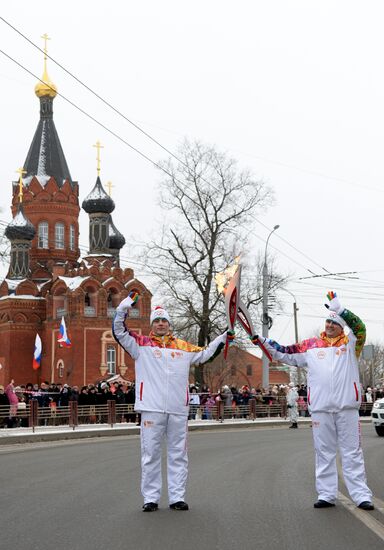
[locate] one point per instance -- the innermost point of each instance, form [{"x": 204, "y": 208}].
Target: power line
[
  {"x": 95, "y": 93},
  {"x": 155, "y": 141},
  {"x": 141, "y": 130},
  {"x": 117, "y": 111},
  {"x": 90, "y": 116}
]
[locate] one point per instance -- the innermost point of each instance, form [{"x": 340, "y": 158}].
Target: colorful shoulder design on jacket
[
  {"x": 357, "y": 327},
  {"x": 311, "y": 343},
  {"x": 168, "y": 341}
]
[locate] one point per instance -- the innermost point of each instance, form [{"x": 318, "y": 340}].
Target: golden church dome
[{"x": 45, "y": 88}]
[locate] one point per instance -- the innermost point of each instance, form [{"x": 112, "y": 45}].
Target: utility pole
[{"x": 295, "y": 310}]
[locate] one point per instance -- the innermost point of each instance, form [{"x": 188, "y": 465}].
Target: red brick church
[{"x": 48, "y": 280}]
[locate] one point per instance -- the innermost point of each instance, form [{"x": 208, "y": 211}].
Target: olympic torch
[{"x": 235, "y": 309}]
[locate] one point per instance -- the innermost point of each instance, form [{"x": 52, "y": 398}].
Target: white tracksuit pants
[
  {"x": 155, "y": 427},
  {"x": 293, "y": 413},
  {"x": 339, "y": 430}
]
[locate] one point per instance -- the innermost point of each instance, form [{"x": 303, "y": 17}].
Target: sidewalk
[{"x": 57, "y": 433}]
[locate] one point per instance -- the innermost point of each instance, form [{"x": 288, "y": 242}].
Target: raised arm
[
  {"x": 353, "y": 321},
  {"x": 211, "y": 351},
  {"x": 293, "y": 355},
  {"x": 357, "y": 327},
  {"x": 119, "y": 330}
]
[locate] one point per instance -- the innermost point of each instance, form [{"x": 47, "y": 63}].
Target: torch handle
[
  {"x": 226, "y": 348},
  {"x": 264, "y": 349}
]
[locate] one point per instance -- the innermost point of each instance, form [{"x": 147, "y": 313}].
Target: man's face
[
  {"x": 332, "y": 330},
  {"x": 160, "y": 327}
]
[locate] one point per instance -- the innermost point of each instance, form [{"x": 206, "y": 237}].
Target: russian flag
[
  {"x": 37, "y": 353},
  {"x": 64, "y": 341}
]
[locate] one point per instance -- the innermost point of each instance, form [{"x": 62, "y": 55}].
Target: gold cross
[
  {"x": 109, "y": 185},
  {"x": 21, "y": 171},
  {"x": 98, "y": 147},
  {"x": 45, "y": 37}
]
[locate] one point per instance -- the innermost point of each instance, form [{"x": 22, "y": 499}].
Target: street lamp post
[{"x": 265, "y": 317}]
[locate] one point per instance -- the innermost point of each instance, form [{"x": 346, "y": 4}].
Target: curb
[{"x": 84, "y": 433}]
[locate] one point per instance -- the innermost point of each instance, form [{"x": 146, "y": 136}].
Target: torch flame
[{"x": 222, "y": 279}]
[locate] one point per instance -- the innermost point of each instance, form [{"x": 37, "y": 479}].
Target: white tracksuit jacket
[
  {"x": 332, "y": 368},
  {"x": 162, "y": 367}
]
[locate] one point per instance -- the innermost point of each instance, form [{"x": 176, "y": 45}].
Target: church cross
[
  {"x": 109, "y": 185},
  {"x": 21, "y": 171},
  {"x": 98, "y": 147}
]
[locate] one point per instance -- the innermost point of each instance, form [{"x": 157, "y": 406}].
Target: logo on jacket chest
[
  {"x": 176, "y": 354},
  {"x": 341, "y": 350}
]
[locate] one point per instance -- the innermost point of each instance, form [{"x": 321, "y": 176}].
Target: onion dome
[
  {"x": 46, "y": 88},
  {"x": 98, "y": 200},
  {"x": 20, "y": 227},
  {"x": 116, "y": 239}
]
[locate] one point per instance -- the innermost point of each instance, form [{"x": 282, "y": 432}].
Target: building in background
[
  {"x": 242, "y": 368},
  {"x": 47, "y": 280}
]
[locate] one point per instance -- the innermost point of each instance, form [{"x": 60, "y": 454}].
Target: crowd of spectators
[
  {"x": 235, "y": 401},
  {"x": 15, "y": 399},
  {"x": 231, "y": 402}
]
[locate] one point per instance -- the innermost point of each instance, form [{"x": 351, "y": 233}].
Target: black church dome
[
  {"x": 20, "y": 227},
  {"x": 98, "y": 200},
  {"x": 116, "y": 239}
]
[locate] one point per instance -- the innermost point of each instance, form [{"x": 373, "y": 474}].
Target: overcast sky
[{"x": 292, "y": 89}]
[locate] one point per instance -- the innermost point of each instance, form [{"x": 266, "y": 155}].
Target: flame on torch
[{"x": 222, "y": 279}]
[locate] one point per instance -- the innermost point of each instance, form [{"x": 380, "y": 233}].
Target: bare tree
[
  {"x": 372, "y": 369},
  {"x": 210, "y": 206}
]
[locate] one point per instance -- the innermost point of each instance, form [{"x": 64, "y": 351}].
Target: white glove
[
  {"x": 128, "y": 302},
  {"x": 334, "y": 303}
]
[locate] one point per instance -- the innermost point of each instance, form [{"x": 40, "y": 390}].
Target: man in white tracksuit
[
  {"x": 292, "y": 397},
  {"x": 334, "y": 398},
  {"x": 162, "y": 364}
]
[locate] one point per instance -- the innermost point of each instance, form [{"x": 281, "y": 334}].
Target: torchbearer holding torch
[
  {"x": 162, "y": 364},
  {"x": 334, "y": 397}
]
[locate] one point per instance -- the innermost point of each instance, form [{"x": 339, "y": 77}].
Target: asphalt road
[{"x": 247, "y": 488}]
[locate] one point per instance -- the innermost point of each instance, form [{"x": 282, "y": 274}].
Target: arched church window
[
  {"x": 111, "y": 359},
  {"x": 59, "y": 304},
  {"x": 60, "y": 369},
  {"x": 72, "y": 237},
  {"x": 42, "y": 235},
  {"x": 90, "y": 302},
  {"x": 59, "y": 235}
]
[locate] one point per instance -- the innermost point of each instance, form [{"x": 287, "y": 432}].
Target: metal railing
[
  {"x": 112, "y": 413},
  {"x": 71, "y": 415}
]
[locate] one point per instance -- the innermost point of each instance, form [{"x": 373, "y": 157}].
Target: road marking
[
  {"x": 365, "y": 517},
  {"x": 379, "y": 504}
]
